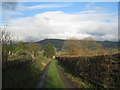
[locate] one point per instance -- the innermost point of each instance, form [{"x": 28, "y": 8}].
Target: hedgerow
[{"x": 99, "y": 70}]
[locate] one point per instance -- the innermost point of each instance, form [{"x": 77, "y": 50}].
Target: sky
[{"x": 34, "y": 21}]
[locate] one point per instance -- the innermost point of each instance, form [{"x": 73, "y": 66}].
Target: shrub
[{"x": 22, "y": 53}]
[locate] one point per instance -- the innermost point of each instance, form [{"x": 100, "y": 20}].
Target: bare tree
[
  {"x": 86, "y": 46},
  {"x": 72, "y": 46},
  {"x": 5, "y": 38}
]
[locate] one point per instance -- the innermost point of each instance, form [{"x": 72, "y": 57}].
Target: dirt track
[
  {"x": 41, "y": 84},
  {"x": 66, "y": 81}
]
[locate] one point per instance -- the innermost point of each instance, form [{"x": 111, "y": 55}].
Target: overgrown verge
[
  {"x": 78, "y": 82},
  {"x": 99, "y": 70},
  {"x": 23, "y": 73}
]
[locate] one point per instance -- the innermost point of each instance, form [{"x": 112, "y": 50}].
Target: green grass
[
  {"x": 53, "y": 79},
  {"x": 79, "y": 83}
]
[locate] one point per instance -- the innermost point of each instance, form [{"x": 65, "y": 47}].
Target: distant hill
[
  {"x": 108, "y": 44},
  {"x": 58, "y": 43}
]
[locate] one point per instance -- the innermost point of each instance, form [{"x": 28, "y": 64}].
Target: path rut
[
  {"x": 41, "y": 84},
  {"x": 66, "y": 81}
]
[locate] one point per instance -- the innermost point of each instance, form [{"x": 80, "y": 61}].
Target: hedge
[{"x": 99, "y": 70}]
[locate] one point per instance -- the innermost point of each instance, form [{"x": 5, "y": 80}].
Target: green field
[{"x": 53, "y": 79}]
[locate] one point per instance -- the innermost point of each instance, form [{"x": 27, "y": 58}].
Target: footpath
[{"x": 54, "y": 77}]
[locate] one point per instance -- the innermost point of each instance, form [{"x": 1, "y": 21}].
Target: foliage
[
  {"x": 90, "y": 44},
  {"x": 34, "y": 48},
  {"x": 53, "y": 79},
  {"x": 112, "y": 50},
  {"x": 72, "y": 46},
  {"x": 5, "y": 52},
  {"x": 22, "y": 53},
  {"x": 10, "y": 47},
  {"x": 49, "y": 50},
  {"x": 79, "y": 83},
  {"x": 99, "y": 70},
  {"x": 23, "y": 73},
  {"x": 86, "y": 46},
  {"x": 21, "y": 46},
  {"x": 58, "y": 43}
]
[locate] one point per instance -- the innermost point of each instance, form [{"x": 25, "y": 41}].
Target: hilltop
[{"x": 58, "y": 43}]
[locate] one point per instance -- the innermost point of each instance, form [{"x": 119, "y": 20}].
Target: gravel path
[{"x": 41, "y": 84}]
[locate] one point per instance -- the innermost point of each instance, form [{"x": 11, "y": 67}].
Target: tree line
[
  {"x": 71, "y": 46},
  {"x": 11, "y": 47}
]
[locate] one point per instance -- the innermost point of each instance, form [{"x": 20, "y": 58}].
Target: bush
[{"x": 22, "y": 53}]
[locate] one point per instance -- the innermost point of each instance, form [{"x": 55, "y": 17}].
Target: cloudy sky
[{"x": 34, "y": 21}]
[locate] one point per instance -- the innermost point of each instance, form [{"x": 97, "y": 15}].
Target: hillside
[
  {"x": 58, "y": 43},
  {"x": 108, "y": 44}
]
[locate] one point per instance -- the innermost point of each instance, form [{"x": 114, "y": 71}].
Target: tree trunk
[{"x": 3, "y": 55}]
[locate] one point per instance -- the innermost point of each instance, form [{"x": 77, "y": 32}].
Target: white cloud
[
  {"x": 97, "y": 9},
  {"x": 89, "y": 11},
  {"x": 46, "y": 6},
  {"x": 60, "y": 25},
  {"x": 41, "y": 6},
  {"x": 14, "y": 8}
]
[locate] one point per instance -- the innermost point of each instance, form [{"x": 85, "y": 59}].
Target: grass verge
[
  {"x": 79, "y": 83},
  {"x": 53, "y": 79}
]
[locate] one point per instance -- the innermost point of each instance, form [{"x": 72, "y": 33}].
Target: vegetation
[
  {"x": 23, "y": 73},
  {"x": 86, "y": 46},
  {"x": 87, "y": 63},
  {"x": 34, "y": 48},
  {"x": 49, "y": 50},
  {"x": 22, "y": 63},
  {"x": 58, "y": 43},
  {"x": 21, "y": 46},
  {"x": 6, "y": 39},
  {"x": 53, "y": 79},
  {"x": 72, "y": 46},
  {"x": 99, "y": 70},
  {"x": 79, "y": 83}
]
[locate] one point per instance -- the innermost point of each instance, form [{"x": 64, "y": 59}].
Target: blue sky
[
  {"x": 68, "y": 7},
  {"x": 40, "y": 20}
]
